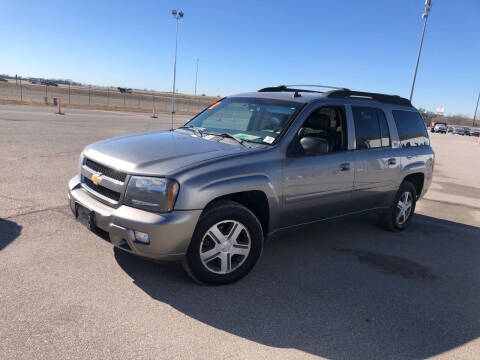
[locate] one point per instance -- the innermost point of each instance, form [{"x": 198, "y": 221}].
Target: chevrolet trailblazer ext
[{"x": 248, "y": 166}]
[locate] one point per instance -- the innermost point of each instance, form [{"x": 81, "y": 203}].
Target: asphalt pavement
[{"x": 343, "y": 289}]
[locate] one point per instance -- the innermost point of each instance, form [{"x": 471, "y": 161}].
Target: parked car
[
  {"x": 48, "y": 83},
  {"x": 458, "y": 130},
  {"x": 440, "y": 128},
  {"x": 467, "y": 130},
  {"x": 249, "y": 166},
  {"x": 436, "y": 125},
  {"x": 475, "y": 132},
  {"x": 125, "y": 90},
  {"x": 3, "y": 79}
]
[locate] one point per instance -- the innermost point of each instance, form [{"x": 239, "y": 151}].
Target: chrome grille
[
  {"x": 102, "y": 190},
  {"x": 102, "y": 169}
]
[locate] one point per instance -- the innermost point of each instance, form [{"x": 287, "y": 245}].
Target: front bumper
[{"x": 169, "y": 233}]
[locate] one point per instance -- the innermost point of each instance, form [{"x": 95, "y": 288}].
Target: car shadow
[
  {"x": 342, "y": 289},
  {"x": 9, "y": 231}
]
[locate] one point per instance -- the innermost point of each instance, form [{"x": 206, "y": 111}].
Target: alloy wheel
[
  {"x": 404, "y": 208},
  {"x": 225, "y": 246}
]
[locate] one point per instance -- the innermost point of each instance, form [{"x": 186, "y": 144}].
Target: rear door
[{"x": 376, "y": 164}]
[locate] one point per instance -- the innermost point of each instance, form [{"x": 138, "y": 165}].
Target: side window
[
  {"x": 384, "y": 131},
  {"x": 327, "y": 122},
  {"x": 367, "y": 127},
  {"x": 411, "y": 128}
]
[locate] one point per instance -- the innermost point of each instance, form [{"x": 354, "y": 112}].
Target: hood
[{"x": 157, "y": 153}]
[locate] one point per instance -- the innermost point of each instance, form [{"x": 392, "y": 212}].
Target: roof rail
[
  {"x": 292, "y": 88},
  {"x": 387, "y": 99}
]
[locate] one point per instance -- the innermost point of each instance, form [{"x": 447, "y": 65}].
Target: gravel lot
[{"x": 343, "y": 289}]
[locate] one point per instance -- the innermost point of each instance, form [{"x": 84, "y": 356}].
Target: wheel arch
[
  {"x": 418, "y": 180},
  {"x": 254, "y": 200}
]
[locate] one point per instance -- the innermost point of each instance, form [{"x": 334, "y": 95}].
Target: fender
[
  {"x": 417, "y": 166},
  {"x": 199, "y": 197}
]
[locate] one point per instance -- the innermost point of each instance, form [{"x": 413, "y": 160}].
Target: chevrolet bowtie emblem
[{"x": 96, "y": 179}]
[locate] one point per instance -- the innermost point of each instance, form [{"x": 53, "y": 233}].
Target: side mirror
[{"x": 313, "y": 145}]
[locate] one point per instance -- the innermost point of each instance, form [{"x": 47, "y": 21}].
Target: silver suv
[{"x": 249, "y": 166}]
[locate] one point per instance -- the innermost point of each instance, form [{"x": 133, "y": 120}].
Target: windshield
[{"x": 248, "y": 119}]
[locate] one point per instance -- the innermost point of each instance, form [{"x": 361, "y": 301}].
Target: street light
[
  {"x": 428, "y": 7},
  {"x": 196, "y": 77},
  {"x": 177, "y": 16},
  {"x": 476, "y": 108}
]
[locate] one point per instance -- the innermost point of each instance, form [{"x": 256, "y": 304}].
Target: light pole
[
  {"x": 428, "y": 7},
  {"x": 196, "y": 77},
  {"x": 476, "y": 108},
  {"x": 177, "y": 16}
]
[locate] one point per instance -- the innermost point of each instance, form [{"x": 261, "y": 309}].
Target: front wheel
[
  {"x": 226, "y": 244},
  {"x": 400, "y": 213}
]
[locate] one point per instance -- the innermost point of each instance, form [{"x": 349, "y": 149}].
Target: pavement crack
[
  {"x": 13, "y": 198},
  {"x": 40, "y": 156},
  {"x": 53, "y": 208}
]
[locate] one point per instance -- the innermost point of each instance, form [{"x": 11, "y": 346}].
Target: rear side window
[
  {"x": 411, "y": 128},
  {"x": 371, "y": 128}
]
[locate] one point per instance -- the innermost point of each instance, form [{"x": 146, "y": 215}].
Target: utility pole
[
  {"x": 476, "y": 108},
  {"x": 176, "y": 16},
  {"x": 428, "y": 7},
  {"x": 196, "y": 77}
]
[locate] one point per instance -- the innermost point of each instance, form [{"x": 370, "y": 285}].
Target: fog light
[{"x": 141, "y": 237}]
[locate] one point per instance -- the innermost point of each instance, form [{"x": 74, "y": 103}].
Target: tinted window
[
  {"x": 411, "y": 128},
  {"x": 384, "y": 128},
  {"x": 367, "y": 128}
]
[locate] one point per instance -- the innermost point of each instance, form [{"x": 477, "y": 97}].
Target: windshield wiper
[
  {"x": 197, "y": 132},
  {"x": 225, "y": 134},
  {"x": 195, "y": 129}
]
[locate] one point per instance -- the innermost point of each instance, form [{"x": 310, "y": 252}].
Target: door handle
[
  {"x": 345, "y": 167},
  {"x": 392, "y": 161}
]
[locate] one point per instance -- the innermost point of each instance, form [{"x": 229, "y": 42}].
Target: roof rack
[
  {"x": 387, "y": 99},
  {"x": 340, "y": 93},
  {"x": 291, "y": 88}
]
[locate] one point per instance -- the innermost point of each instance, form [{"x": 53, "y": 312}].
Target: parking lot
[{"x": 342, "y": 289}]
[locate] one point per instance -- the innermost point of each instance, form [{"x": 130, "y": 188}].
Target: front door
[{"x": 317, "y": 187}]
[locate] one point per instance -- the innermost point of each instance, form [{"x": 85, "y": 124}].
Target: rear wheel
[
  {"x": 400, "y": 214},
  {"x": 226, "y": 244}
]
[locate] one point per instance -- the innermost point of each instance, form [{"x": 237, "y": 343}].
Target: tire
[
  {"x": 225, "y": 245},
  {"x": 391, "y": 220}
]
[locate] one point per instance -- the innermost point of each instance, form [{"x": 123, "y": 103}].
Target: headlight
[{"x": 151, "y": 193}]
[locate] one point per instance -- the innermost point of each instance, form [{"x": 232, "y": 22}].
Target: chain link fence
[{"x": 96, "y": 97}]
